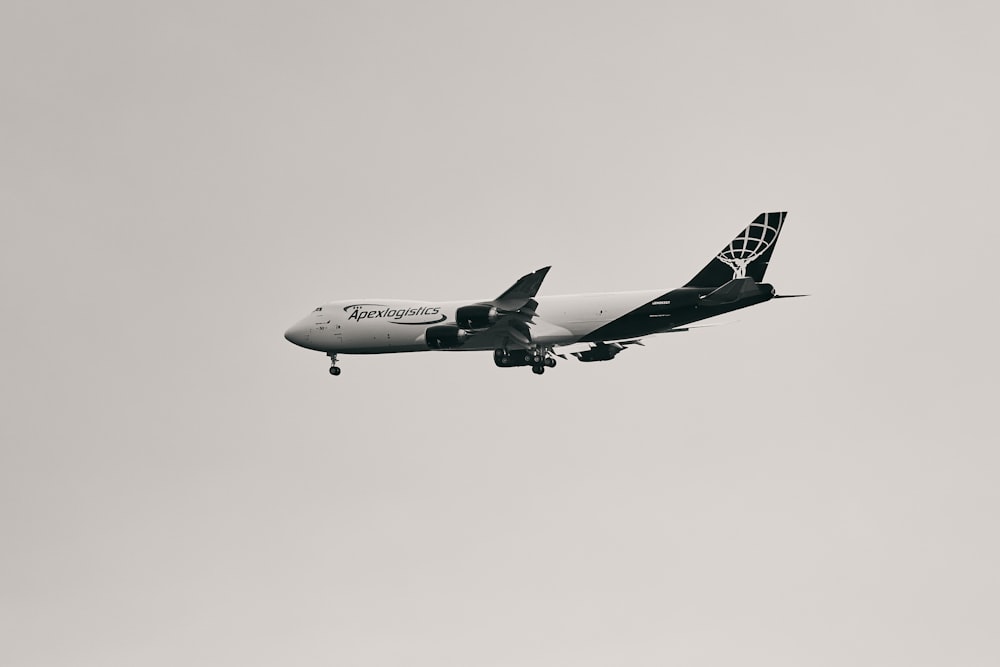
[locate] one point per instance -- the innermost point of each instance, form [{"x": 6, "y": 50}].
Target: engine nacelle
[
  {"x": 445, "y": 337},
  {"x": 472, "y": 318},
  {"x": 602, "y": 352}
]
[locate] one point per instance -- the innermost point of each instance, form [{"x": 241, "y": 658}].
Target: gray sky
[{"x": 813, "y": 484}]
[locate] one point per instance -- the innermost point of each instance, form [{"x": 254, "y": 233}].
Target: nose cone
[{"x": 298, "y": 333}]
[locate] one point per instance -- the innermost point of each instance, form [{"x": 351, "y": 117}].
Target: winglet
[{"x": 521, "y": 292}]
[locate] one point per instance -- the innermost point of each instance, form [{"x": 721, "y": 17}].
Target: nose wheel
[{"x": 334, "y": 368}]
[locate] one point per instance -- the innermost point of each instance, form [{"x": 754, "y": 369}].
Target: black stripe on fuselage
[{"x": 676, "y": 308}]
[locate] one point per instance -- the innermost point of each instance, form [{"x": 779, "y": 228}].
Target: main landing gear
[
  {"x": 538, "y": 365},
  {"x": 334, "y": 368},
  {"x": 538, "y": 358}
]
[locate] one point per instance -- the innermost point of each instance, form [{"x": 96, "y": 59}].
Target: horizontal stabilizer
[{"x": 732, "y": 291}]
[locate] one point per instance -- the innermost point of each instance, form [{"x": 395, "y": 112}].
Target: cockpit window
[{"x": 319, "y": 310}]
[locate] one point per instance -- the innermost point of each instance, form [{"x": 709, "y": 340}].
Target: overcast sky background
[{"x": 815, "y": 483}]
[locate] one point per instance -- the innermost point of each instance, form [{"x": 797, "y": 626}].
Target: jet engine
[
  {"x": 476, "y": 317},
  {"x": 445, "y": 337}
]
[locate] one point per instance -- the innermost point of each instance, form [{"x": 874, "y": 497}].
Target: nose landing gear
[{"x": 334, "y": 368}]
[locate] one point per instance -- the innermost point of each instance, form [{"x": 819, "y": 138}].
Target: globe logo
[{"x": 750, "y": 245}]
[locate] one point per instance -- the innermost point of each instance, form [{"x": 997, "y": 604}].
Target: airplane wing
[
  {"x": 608, "y": 349},
  {"x": 507, "y": 320},
  {"x": 604, "y": 351},
  {"x": 510, "y": 331},
  {"x": 520, "y": 293}
]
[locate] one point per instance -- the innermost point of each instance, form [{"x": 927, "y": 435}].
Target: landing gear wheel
[
  {"x": 538, "y": 370},
  {"x": 550, "y": 362},
  {"x": 334, "y": 370}
]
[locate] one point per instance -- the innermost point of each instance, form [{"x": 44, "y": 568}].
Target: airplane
[{"x": 524, "y": 329}]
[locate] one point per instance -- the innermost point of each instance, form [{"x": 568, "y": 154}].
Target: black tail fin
[{"x": 746, "y": 256}]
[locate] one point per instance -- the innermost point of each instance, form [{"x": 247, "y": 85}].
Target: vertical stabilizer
[{"x": 746, "y": 256}]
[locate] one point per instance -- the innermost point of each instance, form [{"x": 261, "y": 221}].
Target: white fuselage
[
  {"x": 374, "y": 326},
  {"x": 522, "y": 328}
]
